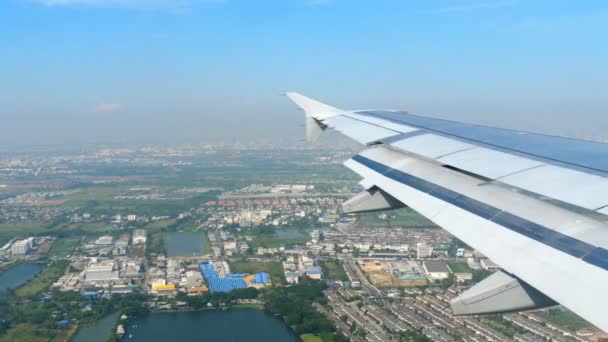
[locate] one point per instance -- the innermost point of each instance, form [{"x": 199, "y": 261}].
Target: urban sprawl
[{"x": 387, "y": 276}]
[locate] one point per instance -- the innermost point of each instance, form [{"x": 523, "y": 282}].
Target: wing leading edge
[{"x": 493, "y": 198}]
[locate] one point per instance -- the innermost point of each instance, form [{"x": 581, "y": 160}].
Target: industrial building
[
  {"x": 232, "y": 281},
  {"x": 462, "y": 277},
  {"x": 139, "y": 236},
  {"x": 104, "y": 271},
  {"x": 22, "y": 247},
  {"x": 423, "y": 251},
  {"x": 489, "y": 265},
  {"x": 217, "y": 284},
  {"x": 104, "y": 240},
  {"x": 314, "y": 273},
  {"x": 292, "y": 277},
  {"x": 436, "y": 270}
]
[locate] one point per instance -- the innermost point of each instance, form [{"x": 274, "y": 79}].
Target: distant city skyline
[{"x": 80, "y": 72}]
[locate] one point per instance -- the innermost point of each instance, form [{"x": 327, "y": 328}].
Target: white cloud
[{"x": 108, "y": 107}]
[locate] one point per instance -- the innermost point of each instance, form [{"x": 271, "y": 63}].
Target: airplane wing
[{"x": 534, "y": 204}]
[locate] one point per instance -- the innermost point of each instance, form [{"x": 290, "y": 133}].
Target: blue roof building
[
  {"x": 218, "y": 284},
  {"x": 261, "y": 278}
]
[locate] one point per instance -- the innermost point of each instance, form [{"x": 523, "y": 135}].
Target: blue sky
[{"x": 194, "y": 70}]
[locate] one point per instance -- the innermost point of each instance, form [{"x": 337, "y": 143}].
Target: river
[
  {"x": 18, "y": 275},
  {"x": 237, "y": 324}
]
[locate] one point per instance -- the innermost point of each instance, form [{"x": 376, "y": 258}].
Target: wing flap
[
  {"x": 570, "y": 186},
  {"x": 359, "y": 131},
  {"x": 542, "y": 255},
  {"x": 488, "y": 163},
  {"x": 431, "y": 146}
]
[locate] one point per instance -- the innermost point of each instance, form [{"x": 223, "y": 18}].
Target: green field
[
  {"x": 92, "y": 227},
  {"x": 311, "y": 338},
  {"x": 333, "y": 270},
  {"x": 26, "y": 228},
  {"x": 99, "y": 200},
  {"x": 93, "y": 193},
  {"x": 565, "y": 319},
  {"x": 22, "y": 227},
  {"x": 460, "y": 267},
  {"x": 35, "y": 333},
  {"x": 207, "y": 243},
  {"x": 275, "y": 269},
  {"x": 268, "y": 237},
  {"x": 64, "y": 247},
  {"x": 273, "y": 241},
  {"x": 44, "y": 279}
]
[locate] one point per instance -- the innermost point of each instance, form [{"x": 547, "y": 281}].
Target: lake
[
  {"x": 18, "y": 275},
  {"x": 100, "y": 332},
  {"x": 184, "y": 244},
  {"x": 289, "y": 234},
  {"x": 238, "y": 324}
]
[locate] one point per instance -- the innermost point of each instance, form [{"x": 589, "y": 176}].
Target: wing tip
[{"x": 312, "y": 107}]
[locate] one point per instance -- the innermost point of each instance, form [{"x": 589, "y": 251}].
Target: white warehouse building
[
  {"x": 139, "y": 236},
  {"x": 22, "y": 247},
  {"x": 102, "y": 271}
]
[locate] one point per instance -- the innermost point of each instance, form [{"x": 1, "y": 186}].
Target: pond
[
  {"x": 184, "y": 244},
  {"x": 289, "y": 234},
  {"x": 18, "y": 275}
]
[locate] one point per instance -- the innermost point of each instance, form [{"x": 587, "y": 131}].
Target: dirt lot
[{"x": 379, "y": 273}]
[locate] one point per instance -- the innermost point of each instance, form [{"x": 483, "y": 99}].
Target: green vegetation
[
  {"x": 58, "y": 227},
  {"x": 333, "y": 270},
  {"x": 295, "y": 305},
  {"x": 219, "y": 299},
  {"x": 99, "y": 200},
  {"x": 310, "y": 338},
  {"x": 22, "y": 319},
  {"x": 155, "y": 226},
  {"x": 460, "y": 267},
  {"x": 207, "y": 243},
  {"x": 64, "y": 247},
  {"x": 565, "y": 319},
  {"x": 44, "y": 279},
  {"x": 92, "y": 227},
  {"x": 267, "y": 237},
  {"x": 35, "y": 333},
  {"x": 273, "y": 241},
  {"x": 22, "y": 227},
  {"x": 275, "y": 269},
  {"x": 155, "y": 244}
]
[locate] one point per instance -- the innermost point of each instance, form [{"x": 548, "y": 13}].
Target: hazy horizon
[{"x": 130, "y": 71}]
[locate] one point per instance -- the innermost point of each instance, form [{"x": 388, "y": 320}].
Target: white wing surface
[{"x": 535, "y": 204}]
